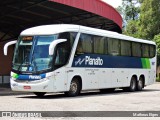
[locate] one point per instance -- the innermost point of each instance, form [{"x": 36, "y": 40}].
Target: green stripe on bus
[
  {"x": 148, "y": 63},
  {"x": 145, "y": 63},
  {"x": 15, "y": 75}
]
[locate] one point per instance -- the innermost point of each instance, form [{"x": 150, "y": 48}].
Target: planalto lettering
[
  {"x": 93, "y": 61},
  {"x": 34, "y": 77}
]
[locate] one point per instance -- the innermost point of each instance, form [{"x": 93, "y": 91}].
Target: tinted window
[
  {"x": 125, "y": 48},
  {"x": 98, "y": 44},
  {"x": 152, "y": 51},
  {"x": 70, "y": 36},
  {"x": 113, "y": 46},
  {"x": 63, "y": 50},
  {"x": 84, "y": 44},
  {"x": 106, "y": 46},
  {"x": 136, "y": 49},
  {"x": 145, "y": 50}
]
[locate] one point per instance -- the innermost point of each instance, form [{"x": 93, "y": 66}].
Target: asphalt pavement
[{"x": 5, "y": 90}]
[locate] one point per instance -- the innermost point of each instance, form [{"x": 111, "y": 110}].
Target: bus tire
[
  {"x": 75, "y": 88},
  {"x": 39, "y": 94},
  {"x": 133, "y": 85},
  {"x": 140, "y": 84}
]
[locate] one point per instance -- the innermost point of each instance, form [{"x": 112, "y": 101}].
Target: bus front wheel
[
  {"x": 39, "y": 94},
  {"x": 74, "y": 88}
]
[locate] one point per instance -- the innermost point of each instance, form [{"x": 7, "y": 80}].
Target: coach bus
[{"x": 71, "y": 58}]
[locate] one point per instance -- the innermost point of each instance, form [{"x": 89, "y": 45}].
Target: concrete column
[
  {"x": 0, "y": 79},
  {"x": 6, "y": 79}
]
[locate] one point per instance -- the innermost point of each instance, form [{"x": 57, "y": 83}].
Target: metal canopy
[{"x": 17, "y": 15}]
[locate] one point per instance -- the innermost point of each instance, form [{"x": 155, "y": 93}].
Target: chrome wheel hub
[{"x": 73, "y": 87}]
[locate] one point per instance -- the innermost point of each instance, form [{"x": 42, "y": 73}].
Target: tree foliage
[
  {"x": 131, "y": 28},
  {"x": 130, "y": 13},
  {"x": 144, "y": 23},
  {"x": 149, "y": 24},
  {"x": 157, "y": 40},
  {"x": 129, "y": 9}
]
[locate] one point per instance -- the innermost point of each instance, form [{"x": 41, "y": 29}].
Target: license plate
[{"x": 27, "y": 87}]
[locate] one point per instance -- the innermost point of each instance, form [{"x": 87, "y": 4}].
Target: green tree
[
  {"x": 149, "y": 22},
  {"x": 130, "y": 13},
  {"x": 129, "y": 9},
  {"x": 157, "y": 40},
  {"x": 132, "y": 28}
]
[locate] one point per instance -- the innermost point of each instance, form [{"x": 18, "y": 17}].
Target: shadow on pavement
[{"x": 84, "y": 94}]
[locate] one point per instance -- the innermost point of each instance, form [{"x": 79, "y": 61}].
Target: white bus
[{"x": 72, "y": 58}]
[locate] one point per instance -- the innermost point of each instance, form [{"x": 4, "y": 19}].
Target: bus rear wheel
[
  {"x": 140, "y": 84},
  {"x": 39, "y": 94},
  {"x": 74, "y": 88},
  {"x": 133, "y": 85}
]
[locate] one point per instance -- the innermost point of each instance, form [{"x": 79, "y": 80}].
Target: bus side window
[
  {"x": 87, "y": 43},
  {"x": 61, "y": 55},
  {"x": 113, "y": 47},
  {"x": 63, "y": 50},
  {"x": 145, "y": 50},
  {"x": 84, "y": 44},
  {"x": 79, "y": 48},
  {"x": 152, "y": 51},
  {"x": 72, "y": 37},
  {"x": 125, "y": 48},
  {"x": 99, "y": 44},
  {"x": 136, "y": 49},
  {"x": 106, "y": 45},
  {"x": 66, "y": 35}
]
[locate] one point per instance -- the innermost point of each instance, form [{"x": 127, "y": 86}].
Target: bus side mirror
[
  {"x": 5, "y": 49},
  {"x": 53, "y": 45}
]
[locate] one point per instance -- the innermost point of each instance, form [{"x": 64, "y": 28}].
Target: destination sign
[{"x": 27, "y": 38}]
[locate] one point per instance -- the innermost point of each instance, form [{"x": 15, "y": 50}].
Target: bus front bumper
[{"x": 43, "y": 85}]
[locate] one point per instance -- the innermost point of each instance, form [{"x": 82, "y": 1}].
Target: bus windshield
[{"x": 32, "y": 53}]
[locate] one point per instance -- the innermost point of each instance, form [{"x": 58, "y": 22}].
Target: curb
[{"x": 5, "y": 90}]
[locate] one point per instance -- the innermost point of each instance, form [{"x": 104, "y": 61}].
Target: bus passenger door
[{"x": 60, "y": 60}]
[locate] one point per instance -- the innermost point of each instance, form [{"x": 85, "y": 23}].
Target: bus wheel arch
[
  {"x": 75, "y": 86},
  {"x": 79, "y": 79},
  {"x": 141, "y": 83}
]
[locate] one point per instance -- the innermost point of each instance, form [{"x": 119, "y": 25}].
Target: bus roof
[{"x": 59, "y": 28}]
